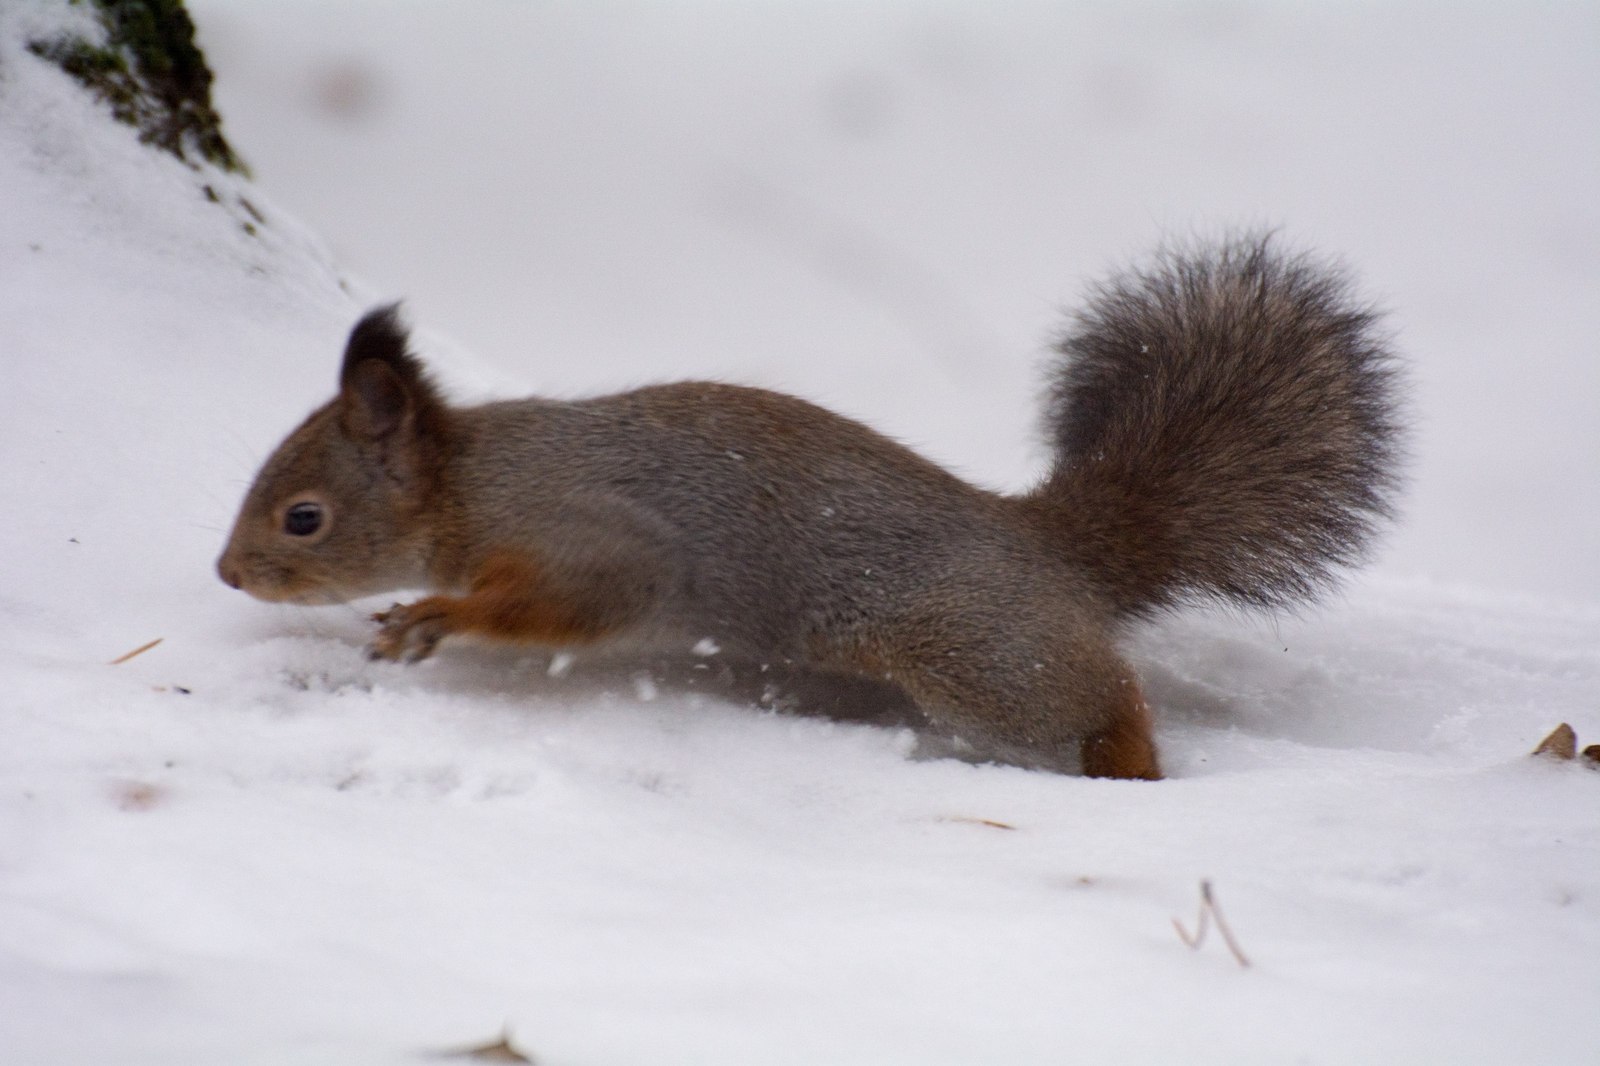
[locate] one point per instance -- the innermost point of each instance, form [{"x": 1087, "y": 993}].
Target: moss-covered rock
[{"x": 151, "y": 72}]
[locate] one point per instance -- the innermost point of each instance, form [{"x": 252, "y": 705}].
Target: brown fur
[
  {"x": 509, "y": 600},
  {"x": 1124, "y": 747},
  {"x": 1224, "y": 428}
]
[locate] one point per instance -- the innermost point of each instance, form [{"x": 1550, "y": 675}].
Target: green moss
[{"x": 151, "y": 73}]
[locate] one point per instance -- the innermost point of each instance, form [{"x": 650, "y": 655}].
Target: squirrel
[{"x": 1224, "y": 428}]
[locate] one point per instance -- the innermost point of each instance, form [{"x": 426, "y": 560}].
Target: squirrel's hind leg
[
  {"x": 1123, "y": 746},
  {"x": 1073, "y": 707}
]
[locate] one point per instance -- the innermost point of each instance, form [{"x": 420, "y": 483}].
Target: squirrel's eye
[{"x": 303, "y": 519}]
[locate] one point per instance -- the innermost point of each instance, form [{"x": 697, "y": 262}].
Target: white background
[{"x": 251, "y": 845}]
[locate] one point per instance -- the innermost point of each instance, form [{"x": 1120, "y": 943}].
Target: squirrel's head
[{"x": 343, "y": 508}]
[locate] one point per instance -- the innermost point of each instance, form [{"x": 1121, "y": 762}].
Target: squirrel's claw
[{"x": 406, "y": 634}]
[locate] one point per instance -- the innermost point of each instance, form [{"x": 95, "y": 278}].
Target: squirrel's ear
[
  {"x": 374, "y": 400},
  {"x": 382, "y": 386}
]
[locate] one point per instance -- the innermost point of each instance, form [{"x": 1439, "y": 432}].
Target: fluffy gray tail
[{"x": 1225, "y": 427}]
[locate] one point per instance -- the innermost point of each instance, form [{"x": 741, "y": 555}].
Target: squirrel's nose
[{"x": 228, "y": 572}]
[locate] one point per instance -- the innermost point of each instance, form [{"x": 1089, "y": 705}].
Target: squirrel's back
[{"x": 780, "y": 517}]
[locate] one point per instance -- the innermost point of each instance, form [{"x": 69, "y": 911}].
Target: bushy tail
[{"x": 1225, "y": 427}]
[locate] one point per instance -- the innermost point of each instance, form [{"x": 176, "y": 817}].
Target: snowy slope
[{"x": 249, "y": 844}]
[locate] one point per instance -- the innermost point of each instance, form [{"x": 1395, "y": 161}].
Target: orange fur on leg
[
  {"x": 509, "y": 600},
  {"x": 1125, "y": 747}
]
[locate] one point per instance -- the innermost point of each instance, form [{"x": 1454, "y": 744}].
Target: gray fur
[{"x": 1225, "y": 427}]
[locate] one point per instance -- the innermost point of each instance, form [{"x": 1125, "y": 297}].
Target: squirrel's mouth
[{"x": 272, "y": 584}]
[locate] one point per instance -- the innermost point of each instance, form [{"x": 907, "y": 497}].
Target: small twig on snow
[
  {"x": 1210, "y": 911},
  {"x": 496, "y": 1051},
  {"x": 140, "y": 650}
]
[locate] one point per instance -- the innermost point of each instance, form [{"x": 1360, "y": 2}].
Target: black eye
[{"x": 303, "y": 519}]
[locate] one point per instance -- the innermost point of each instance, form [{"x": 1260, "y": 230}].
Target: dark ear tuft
[{"x": 383, "y": 386}]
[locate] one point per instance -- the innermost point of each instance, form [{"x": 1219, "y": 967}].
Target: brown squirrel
[{"x": 1224, "y": 429}]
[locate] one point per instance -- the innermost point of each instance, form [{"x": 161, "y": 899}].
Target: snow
[{"x": 250, "y": 844}]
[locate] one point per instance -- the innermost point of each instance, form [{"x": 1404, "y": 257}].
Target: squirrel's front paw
[{"x": 407, "y": 632}]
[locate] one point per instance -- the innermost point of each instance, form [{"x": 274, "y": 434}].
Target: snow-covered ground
[{"x": 250, "y": 845}]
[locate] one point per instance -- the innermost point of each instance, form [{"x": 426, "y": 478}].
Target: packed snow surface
[{"x": 249, "y": 844}]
